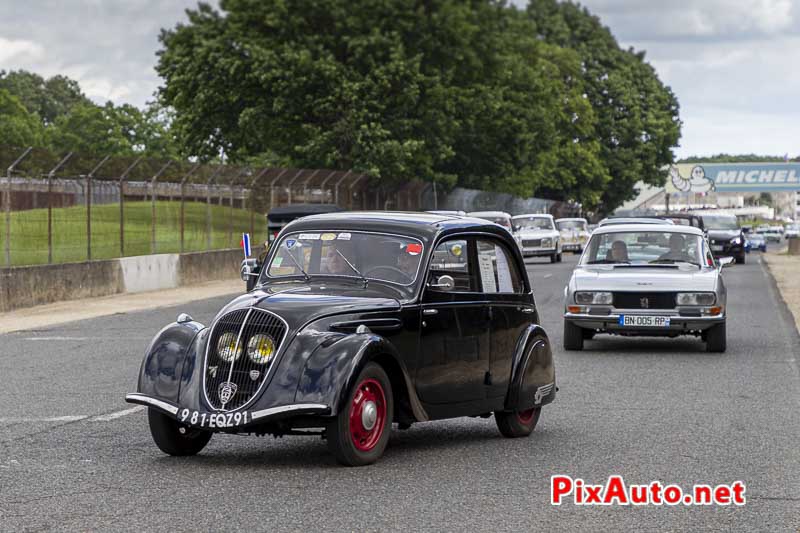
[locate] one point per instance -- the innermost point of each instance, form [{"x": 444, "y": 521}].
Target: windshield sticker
[
  {"x": 308, "y": 236},
  {"x": 328, "y": 236},
  {"x": 344, "y": 237},
  {"x": 277, "y": 261},
  {"x": 290, "y": 243},
  {"x": 414, "y": 249}
]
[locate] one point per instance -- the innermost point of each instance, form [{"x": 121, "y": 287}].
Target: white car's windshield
[
  {"x": 579, "y": 225},
  {"x": 644, "y": 247},
  {"x": 355, "y": 254},
  {"x": 532, "y": 223}
]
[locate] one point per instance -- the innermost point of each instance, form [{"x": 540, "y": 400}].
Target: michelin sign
[{"x": 733, "y": 177}]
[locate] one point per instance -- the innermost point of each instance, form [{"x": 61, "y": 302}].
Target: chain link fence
[{"x": 73, "y": 207}]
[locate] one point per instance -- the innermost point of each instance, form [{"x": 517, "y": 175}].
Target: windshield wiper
[
  {"x": 672, "y": 261},
  {"x": 298, "y": 265},
  {"x": 358, "y": 273}
]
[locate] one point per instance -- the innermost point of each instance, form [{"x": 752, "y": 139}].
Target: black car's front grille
[
  {"x": 531, "y": 243},
  {"x": 644, "y": 300},
  {"x": 239, "y": 380}
]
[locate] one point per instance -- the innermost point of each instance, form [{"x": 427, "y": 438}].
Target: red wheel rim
[
  {"x": 367, "y": 415},
  {"x": 526, "y": 417}
]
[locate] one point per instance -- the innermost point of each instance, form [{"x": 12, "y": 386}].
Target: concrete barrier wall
[{"x": 43, "y": 284}]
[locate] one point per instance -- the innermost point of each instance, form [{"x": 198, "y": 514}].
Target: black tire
[
  {"x": 167, "y": 435},
  {"x": 716, "y": 338},
  {"x": 559, "y": 258},
  {"x": 588, "y": 334},
  {"x": 517, "y": 424},
  {"x": 554, "y": 258},
  {"x": 740, "y": 259},
  {"x": 342, "y": 439},
  {"x": 573, "y": 336}
]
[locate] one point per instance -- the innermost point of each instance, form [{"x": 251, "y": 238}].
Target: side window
[
  {"x": 498, "y": 272},
  {"x": 450, "y": 258}
]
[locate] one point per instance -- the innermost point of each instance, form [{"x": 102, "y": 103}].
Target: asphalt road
[{"x": 648, "y": 409}]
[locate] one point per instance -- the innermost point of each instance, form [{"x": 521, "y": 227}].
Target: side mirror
[
  {"x": 445, "y": 283},
  {"x": 725, "y": 261},
  {"x": 250, "y": 269}
]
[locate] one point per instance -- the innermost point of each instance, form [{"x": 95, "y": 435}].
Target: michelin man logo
[{"x": 697, "y": 182}]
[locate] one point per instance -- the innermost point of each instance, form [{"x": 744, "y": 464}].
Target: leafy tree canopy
[{"x": 18, "y": 127}]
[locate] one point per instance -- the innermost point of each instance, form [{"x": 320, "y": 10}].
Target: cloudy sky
[{"x": 732, "y": 63}]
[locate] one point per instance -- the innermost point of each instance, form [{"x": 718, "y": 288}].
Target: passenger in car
[
  {"x": 677, "y": 249},
  {"x": 618, "y": 252}
]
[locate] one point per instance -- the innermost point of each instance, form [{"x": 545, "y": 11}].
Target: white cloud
[{"x": 19, "y": 50}]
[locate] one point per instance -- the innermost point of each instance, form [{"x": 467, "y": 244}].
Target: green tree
[
  {"x": 89, "y": 129},
  {"x": 18, "y": 127},
  {"x": 48, "y": 98},
  {"x": 638, "y": 120}
]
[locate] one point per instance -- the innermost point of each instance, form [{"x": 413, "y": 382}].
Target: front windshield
[
  {"x": 721, "y": 222},
  {"x": 579, "y": 225},
  {"x": 533, "y": 223},
  {"x": 643, "y": 247},
  {"x": 353, "y": 254}
]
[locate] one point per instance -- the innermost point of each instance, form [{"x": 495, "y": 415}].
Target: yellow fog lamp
[
  {"x": 260, "y": 349},
  {"x": 227, "y": 348}
]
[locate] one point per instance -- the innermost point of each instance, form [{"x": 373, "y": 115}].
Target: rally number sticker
[{"x": 213, "y": 420}]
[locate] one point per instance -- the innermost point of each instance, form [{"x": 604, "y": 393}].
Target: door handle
[{"x": 430, "y": 312}]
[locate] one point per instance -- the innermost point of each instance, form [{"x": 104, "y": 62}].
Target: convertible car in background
[
  {"x": 358, "y": 321},
  {"x": 647, "y": 280}
]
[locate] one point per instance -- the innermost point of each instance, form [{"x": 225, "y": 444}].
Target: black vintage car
[{"x": 358, "y": 321}]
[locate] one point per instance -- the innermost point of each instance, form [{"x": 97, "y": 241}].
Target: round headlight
[
  {"x": 227, "y": 349},
  {"x": 260, "y": 349}
]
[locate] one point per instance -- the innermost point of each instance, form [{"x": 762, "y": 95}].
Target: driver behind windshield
[
  {"x": 677, "y": 249},
  {"x": 618, "y": 252},
  {"x": 333, "y": 262}
]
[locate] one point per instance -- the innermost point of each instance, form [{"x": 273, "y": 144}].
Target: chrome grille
[
  {"x": 239, "y": 380},
  {"x": 531, "y": 243},
  {"x": 644, "y": 300}
]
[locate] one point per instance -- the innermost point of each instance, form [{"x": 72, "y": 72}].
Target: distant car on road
[
  {"x": 757, "y": 242},
  {"x": 538, "y": 236},
  {"x": 771, "y": 234},
  {"x": 724, "y": 235},
  {"x": 574, "y": 233},
  {"x": 646, "y": 280},
  {"x": 500, "y": 218},
  {"x": 358, "y": 321},
  {"x": 792, "y": 231}
]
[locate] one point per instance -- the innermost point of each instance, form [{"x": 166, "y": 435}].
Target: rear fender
[
  {"x": 533, "y": 375},
  {"x": 331, "y": 372}
]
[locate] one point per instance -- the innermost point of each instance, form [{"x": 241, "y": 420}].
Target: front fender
[
  {"x": 163, "y": 365},
  {"x": 533, "y": 373},
  {"x": 331, "y": 371}
]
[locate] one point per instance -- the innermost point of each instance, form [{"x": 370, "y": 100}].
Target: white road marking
[
  {"x": 118, "y": 414},
  {"x": 547, "y": 276},
  {"x": 72, "y": 418}
]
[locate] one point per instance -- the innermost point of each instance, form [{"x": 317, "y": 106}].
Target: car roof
[
  {"x": 425, "y": 226},
  {"x": 635, "y": 220},
  {"x": 629, "y": 228},
  {"x": 488, "y": 214},
  {"x": 569, "y": 219},
  {"x": 532, "y": 215}
]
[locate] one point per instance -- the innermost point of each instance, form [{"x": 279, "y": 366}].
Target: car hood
[
  {"x": 300, "y": 304},
  {"x": 645, "y": 279},
  {"x": 723, "y": 234}
]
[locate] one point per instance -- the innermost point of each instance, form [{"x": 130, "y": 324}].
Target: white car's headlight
[
  {"x": 594, "y": 298},
  {"x": 546, "y": 243},
  {"x": 227, "y": 348},
  {"x": 696, "y": 298}
]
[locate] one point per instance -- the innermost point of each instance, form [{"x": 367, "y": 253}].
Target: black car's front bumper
[
  {"x": 727, "y": 249},
  {"x": 227, "y": 421}
]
